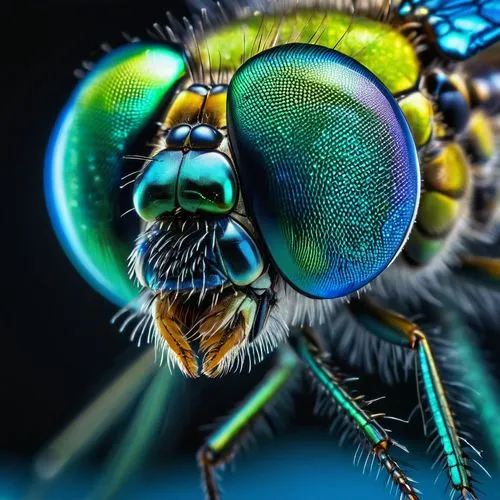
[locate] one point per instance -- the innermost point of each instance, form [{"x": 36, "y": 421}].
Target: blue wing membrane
[{"x": 461, "y": 27}]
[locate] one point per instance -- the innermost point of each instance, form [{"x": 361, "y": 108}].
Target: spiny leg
[
  {"x": 222, "y": 445},
  {"x": 479, "y": 376},
  {"x": 396, "y": 329},
  {"x": 309, "y": 351}
]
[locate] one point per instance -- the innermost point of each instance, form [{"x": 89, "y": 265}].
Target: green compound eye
[
  {"x": 327, "y": 164},
  {"x": 196, "y": 181},
  {"x": 84, "y": 162}
]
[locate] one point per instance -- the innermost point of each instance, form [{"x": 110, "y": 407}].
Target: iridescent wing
[{"x": 461, "y": 27}]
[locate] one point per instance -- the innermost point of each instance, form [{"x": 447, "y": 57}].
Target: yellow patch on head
[{"x": 376, "y": 45}]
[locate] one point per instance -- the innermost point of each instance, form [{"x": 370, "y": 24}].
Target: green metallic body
[
  {"x": 126, "y": 88},
  {"x": 378, "y": 46},
  {"x": 121, "y": 96}
]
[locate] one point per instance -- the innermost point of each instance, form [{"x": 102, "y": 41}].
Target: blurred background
[{"x": 59, "y": 349}]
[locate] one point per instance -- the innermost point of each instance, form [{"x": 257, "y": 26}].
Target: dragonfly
[{"x": 311, "y": 172}]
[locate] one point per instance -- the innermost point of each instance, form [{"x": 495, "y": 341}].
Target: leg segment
[
  {"x": 222, "y": 445},
  {"x": 478, "y": 375},
  {"x": 309, "y": 351},
  {"x": 397, "y": 329},
  {"x": 482, "y": 270}
]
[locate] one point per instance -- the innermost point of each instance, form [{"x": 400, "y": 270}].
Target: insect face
[
  {"x": 297, "y": 181},
  {"x": 197, "y": 254},
  {"x": 330, "y": 184},
  {"x": 191, "y": 174}
]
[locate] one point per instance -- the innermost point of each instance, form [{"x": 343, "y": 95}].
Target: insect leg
[
  {"x": 482, "y": 270},
  {"x": 222, "y": 445},
  {"x": 478, "y": 375},
  {"x": 399, "y": 330},
  {"x": 376, "y": 437}
]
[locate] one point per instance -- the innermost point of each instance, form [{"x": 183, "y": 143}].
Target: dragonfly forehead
[{"x": 383, "y": 49}]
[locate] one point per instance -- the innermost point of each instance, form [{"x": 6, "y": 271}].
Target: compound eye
[
  {"x": 327, "y": 165},
  {"x": 111, "y": 106}
]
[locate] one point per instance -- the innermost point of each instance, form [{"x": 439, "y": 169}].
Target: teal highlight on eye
[
  {"x": 207, "y": 183},
  {"x": 327, "y": 164},
  {"x": 196, "y": 181},
  {"x": 241, "y": 259},
  {"x": 83, "y": 164},
  {"x": 155, "y": 187}
]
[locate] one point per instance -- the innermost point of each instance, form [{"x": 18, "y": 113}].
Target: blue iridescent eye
[{"x": 328, "y": 167}]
